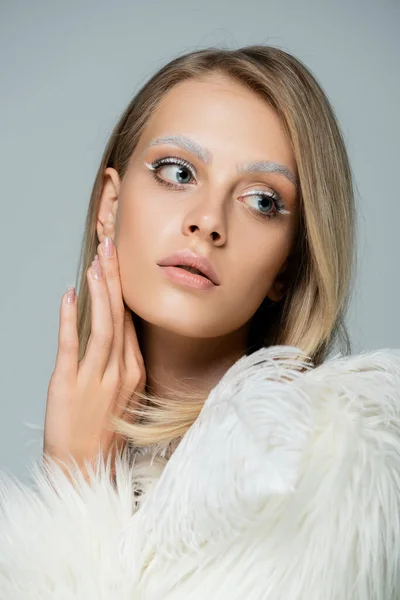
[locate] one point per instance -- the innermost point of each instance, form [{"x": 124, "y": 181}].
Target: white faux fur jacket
[{"x": 287, "y": 487}]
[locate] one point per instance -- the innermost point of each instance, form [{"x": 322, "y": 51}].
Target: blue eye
[
  {"x": 268, "y": 201},
  {"x": 184, "y": 172}
]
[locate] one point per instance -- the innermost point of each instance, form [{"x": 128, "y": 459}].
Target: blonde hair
[{"x": 311, "y": 315}]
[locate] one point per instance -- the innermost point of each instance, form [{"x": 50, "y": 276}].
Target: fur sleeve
[{"x": 59, "y": 539}]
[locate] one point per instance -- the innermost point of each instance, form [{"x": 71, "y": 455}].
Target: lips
[
  {"x": 187, "y": 259},
  {"x": 191, "y": 270}
]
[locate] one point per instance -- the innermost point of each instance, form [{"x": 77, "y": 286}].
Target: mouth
[
  {"x": 190, "y": 264},
  {"x": 192, "y": 270},
  {"x": 188, "y": 277}
]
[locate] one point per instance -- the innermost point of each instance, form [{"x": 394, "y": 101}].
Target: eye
[
  {"x": 268, "y": 205},
  {"x": 179, "y": 170},
  {"x": 265, "y": 205}
]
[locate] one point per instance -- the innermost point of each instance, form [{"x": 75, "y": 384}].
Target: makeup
[
  {"x": 272, "y": 197},
  {"x": 205, "y": 155}
]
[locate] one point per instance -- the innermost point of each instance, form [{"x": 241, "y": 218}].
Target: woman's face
[{"x": 235, "y": 217}]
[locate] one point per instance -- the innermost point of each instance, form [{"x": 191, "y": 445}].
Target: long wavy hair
[{"x": 311, "y": 316}]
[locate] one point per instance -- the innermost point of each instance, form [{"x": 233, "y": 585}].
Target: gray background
[{"x": 68, "y": 69}]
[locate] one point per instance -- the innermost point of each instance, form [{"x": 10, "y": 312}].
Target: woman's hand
[{"x": 82, "y": 395}]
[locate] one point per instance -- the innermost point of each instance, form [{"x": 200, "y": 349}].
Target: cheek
[
  {"x": 144, "y": 236},
  {"x": 148, "y": 213},
  {"x": 137, "y": 223},
  {"x": 260, "y": 257}
]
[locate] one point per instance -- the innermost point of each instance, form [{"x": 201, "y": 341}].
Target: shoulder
[
  {"x": 355, "y": 403},
  {"x": 350, "y": 478}
]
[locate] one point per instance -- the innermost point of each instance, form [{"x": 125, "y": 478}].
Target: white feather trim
[
  {"x": 246, "y": 445},
  {"x": 287, "y": 486},
  {"x": 60, "y": 539}
]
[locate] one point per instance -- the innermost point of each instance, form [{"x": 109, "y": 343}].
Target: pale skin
[{"x": 186, "y": 334}]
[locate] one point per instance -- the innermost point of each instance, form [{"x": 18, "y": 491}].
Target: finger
[
  {"x": 109, "y": 262},
  {"x": 101, "y": 335},
  {"x": 66, "y": 363}
]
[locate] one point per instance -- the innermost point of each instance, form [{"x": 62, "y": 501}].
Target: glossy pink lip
[
  {"x": 190, "y": 259},
  {"x": 187, "y": 279}
]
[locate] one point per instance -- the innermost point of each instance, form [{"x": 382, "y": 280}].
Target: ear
[
  {"x": 108, "y": 202},
  {"x": 278, "y": 288}
]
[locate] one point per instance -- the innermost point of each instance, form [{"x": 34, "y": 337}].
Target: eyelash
[{"x": 172, "y": 160}]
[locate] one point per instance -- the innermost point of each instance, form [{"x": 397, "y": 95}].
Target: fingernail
[
  {"x": 108, "y": 246},
  {"x": 70, "y": 295},
  {"x": 97, "y": 272}
]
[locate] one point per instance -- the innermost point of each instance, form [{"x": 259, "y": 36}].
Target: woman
[{"x": 242, "y": 462}]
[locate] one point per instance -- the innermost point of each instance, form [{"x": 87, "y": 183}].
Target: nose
[{"x": 208, "y": 221}]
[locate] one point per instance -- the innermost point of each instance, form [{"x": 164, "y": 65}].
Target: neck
[{"x": 196, "y": 362}]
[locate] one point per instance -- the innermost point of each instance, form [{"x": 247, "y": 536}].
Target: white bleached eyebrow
[{"x": 205, "y": 156}]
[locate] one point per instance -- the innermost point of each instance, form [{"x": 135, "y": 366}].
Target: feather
[
  {"x": 286, "y": 486},
  {"x": 246, "y": 445},
  {"x": 299, "y": 474},
  {"x": 60, "y": 538}
]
